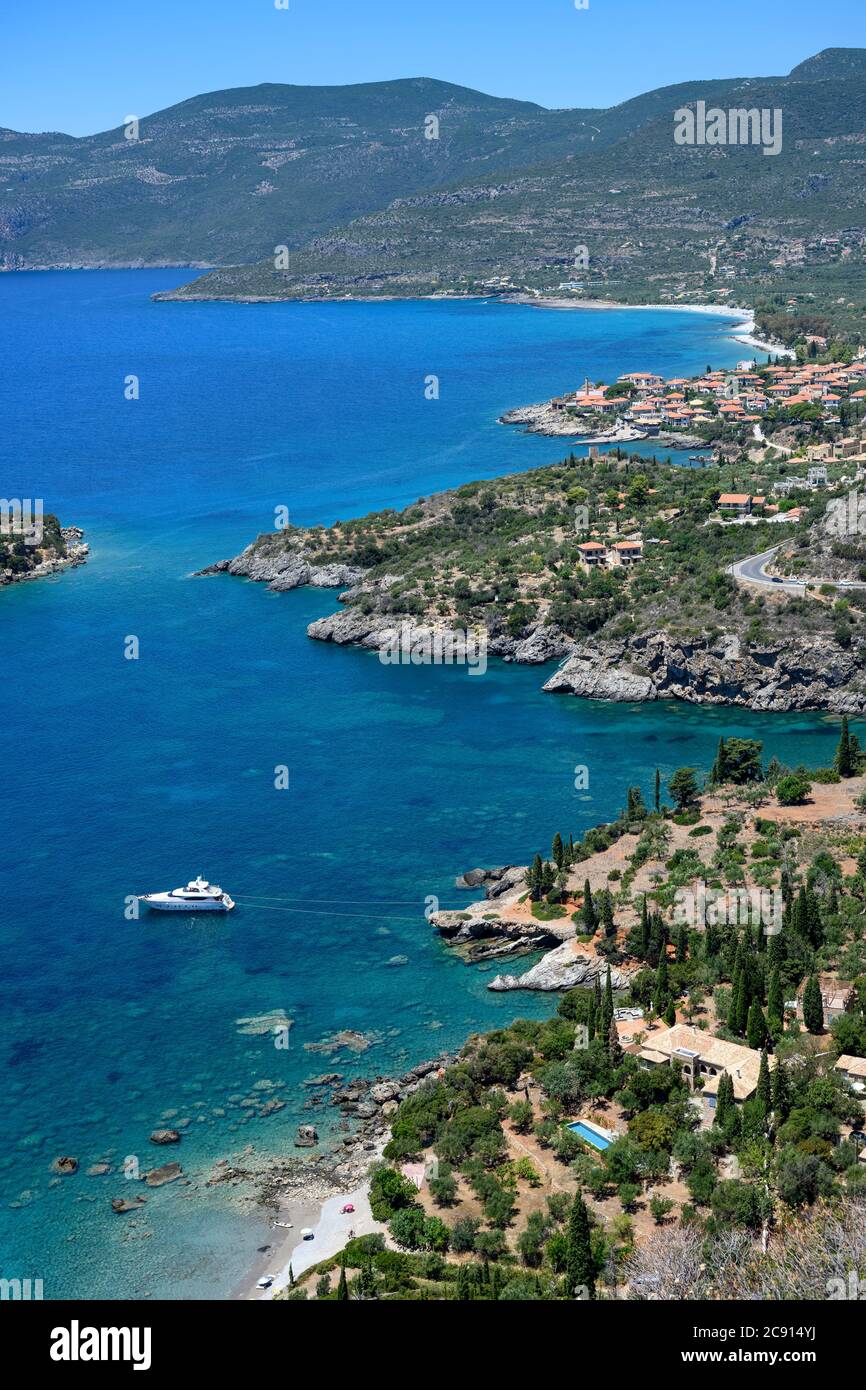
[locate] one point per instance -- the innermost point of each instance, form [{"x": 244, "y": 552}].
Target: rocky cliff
[{"x": 801, "y": 674}]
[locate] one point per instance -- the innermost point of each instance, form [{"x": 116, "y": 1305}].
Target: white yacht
[{"x": 197, "y": 896}]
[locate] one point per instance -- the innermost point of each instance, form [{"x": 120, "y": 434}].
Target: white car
[{"x": 265, "y": 1281}]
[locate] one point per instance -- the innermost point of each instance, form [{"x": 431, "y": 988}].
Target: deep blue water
[{"x": 126, "y": 776}]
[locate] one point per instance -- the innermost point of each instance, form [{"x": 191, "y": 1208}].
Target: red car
[{"x": 346, "y": 1209}]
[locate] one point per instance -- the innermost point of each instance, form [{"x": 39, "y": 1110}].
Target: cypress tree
[
  {"x": 607, "y": 920},
  {"x": 557, "y": 852},
  {"x": 814, "y": 925},
  {"x": 844, "y": 761},
  {"x": 781, "y": 1092},
  {"x": 776, "y": 1005},
  {"x": 614, "y": 1050},
  {"x": 662, "y": 988},
  {"x": 588, "y": 912},
  {"x": 342, "y": 1286},
  {"x": 682, "y": 944},
  {"x": 743, "y": 999},
  {"x": 724, "y": 1099},
  {"x": 813, "y": 1006},
  {"x": 534, "y": 878},
  {"x": 756, "y": 1028},
  {"x": 579, "y": 1268},
  {"x": 658, "y": 790},
  {"x": 764, "y": 1093},
  {"x": 777, "y": 950}
]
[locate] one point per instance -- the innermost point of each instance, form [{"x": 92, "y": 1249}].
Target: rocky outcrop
[
  {"x": 283, "y": 568},
  {"x": 65, "y": 1165},
  {"x": 564, "y": 968},
  {"x": 384, "y": 631},
  {"x": 801, "y": 674},
  {"x": 495, "y": 882},
  {"x": 158, "y": 1177},
  {"x": 485, "y": 936},
  {"x": 121, "y": 1205},
  {"x": 165, "y": 1136}
]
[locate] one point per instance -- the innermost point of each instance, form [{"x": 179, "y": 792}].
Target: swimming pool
[{"x": 592, "y": 1134}]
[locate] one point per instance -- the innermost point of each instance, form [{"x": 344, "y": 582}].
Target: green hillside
[
  {"x": 346, "y": 178},
  {"x": 660, "y": 221}
]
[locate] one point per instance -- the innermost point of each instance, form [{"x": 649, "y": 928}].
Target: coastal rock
[
  {"x": 563, "y": 968},
  {"x": 307, "y": 1137},
  {"x": 124, "y": 1204},
  {"x": 385, "y": 1091},
  {"x": 98, "y": 1170},
  {"x": 810, "y": 673},
  {"x": 165, "y": 1136},
  {"x": 495, "y": 882},
  {"x": 158, "y": 1177},
  {"x": 478, "y": 926},
  {"x": 65, "y": 1165},
  {"x": 542, "y": 644},
  {"x": 270, "y": 561}
]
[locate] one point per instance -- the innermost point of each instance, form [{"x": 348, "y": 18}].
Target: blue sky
[{"x": 83, "y": 66}]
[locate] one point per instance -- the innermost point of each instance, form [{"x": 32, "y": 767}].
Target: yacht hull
[{"x": 157, "y": 903}]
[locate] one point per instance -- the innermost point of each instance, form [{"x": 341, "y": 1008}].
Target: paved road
[{"x": 753, "y": 569}]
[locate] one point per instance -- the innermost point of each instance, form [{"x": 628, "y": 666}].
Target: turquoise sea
[{"x": 128, "y": 776}]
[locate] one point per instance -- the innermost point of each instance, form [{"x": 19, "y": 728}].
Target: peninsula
[{"x": 635, "y": 572}]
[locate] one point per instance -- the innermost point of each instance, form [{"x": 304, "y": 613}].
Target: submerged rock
[
  {"x": 124, "y": 1204},
  {"x": 158, "y": 1177},
  {"x": 165, "y": 1136},
  {"x": 65, "y": 1165}
]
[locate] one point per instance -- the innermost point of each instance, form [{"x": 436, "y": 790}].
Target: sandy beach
[
  {"x": 332, "y": 1228},
  {"x": 745, "y": 317},
  {"x": 324, "y": 1217}
]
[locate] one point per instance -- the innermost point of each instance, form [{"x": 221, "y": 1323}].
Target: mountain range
[{"x": 350, "y": 182}]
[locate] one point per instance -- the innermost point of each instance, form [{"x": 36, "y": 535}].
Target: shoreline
[
  {"x": 331, "y": 1229},
  {"x": 745, "y": 317}
]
